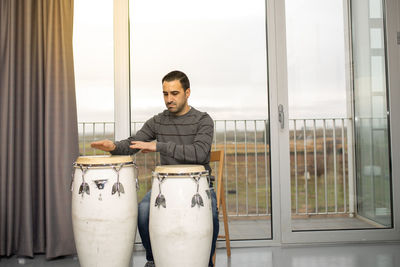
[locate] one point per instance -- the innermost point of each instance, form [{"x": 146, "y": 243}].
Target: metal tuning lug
[
  {"x": 84, "y": 188},
  {"x": 197, "y": 200},
  {"x": 71, "y": 187},
  {"x": 160, "y": 199},
  {"x": 118, "y": 187},
  {"x": 100, "y": 183},
  {"x": 208, "y": 192}
]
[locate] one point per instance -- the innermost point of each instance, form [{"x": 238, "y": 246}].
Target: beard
[{"x": 175, "y": 108}]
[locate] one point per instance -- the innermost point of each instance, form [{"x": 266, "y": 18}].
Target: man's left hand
[{"x": 145, "y": 147}]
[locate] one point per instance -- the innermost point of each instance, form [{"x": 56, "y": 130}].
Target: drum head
[
  {"x": 103, "y": 160},
  {"x": 176, "y": 169}
]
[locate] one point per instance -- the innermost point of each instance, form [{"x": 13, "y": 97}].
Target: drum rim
[
  {"x": 103, "y": 159},
  {"x": 172, "y": 174},
  {"x": 103, "y": 165}
]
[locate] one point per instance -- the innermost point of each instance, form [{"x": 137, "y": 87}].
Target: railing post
[
  {"x": 295, "y": 165},
  {"x": 305, "y": 163},
  {"x": 350, "y": 166},
  {"x": 325, "y": 171},
  {"x": 104, "y": 133},
  {"x": 215, "y": 147},
  {"x": 94, "y": 135},
  {"x": 246, "y": 169},
  {"x": 84, "y": 138},
  {"x": 236, "y": 173},
  {"x": 256, "y": 162},
  {"x": 315, "y": 167},
  {"x": 266, "y": 169},
  {"x": 334, "y": 164},
  {"x": 344, "y": 170},
  {"x": 226, "y": 171}
]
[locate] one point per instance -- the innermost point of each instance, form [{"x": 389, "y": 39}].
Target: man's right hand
[{"x": 105, "y": 145}]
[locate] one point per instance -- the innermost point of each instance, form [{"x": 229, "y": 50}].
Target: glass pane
[
  {"x": 319, "y": 116},
  {"x": 221, "y": 46},
  {"x": 375, "y": 9},
  {"x": 370, "y": 108},
  {"x": 316, "y": 59},
  {"x": 376, "y": 38},
  {"x": 94, "y": 72},
  {"x": 321, "y": 124},
  {"x": 378, "y": 74}
]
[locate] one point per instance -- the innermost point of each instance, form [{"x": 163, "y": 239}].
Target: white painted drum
[
  {"x": 181, "y": 226},
  {"x": 104, "y": 210}
]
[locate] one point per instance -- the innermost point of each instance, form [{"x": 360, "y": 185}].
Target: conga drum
[
  {"x": 104, "y": 210},
  {"x": 180, "y": 223}
]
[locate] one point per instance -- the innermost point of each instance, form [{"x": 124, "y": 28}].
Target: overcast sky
[{"x": 221, "y": 46}]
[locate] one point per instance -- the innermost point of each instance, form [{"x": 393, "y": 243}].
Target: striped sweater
[{"x": 182, "y": 139}]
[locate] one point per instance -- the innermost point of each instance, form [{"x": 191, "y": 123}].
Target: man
[{"x": 184, "y": 136}]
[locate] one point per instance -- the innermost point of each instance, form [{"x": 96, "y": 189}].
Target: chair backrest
[{"x": 218, "y": 156}]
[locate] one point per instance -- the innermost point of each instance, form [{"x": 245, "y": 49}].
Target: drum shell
[
  {"x": 180, "y": 235},
  {"x": 105, "y": 224}
]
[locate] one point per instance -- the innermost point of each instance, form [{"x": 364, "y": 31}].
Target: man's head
[
  {"x": 179, "y": 76},
  {"x": 176, "y": 90}
]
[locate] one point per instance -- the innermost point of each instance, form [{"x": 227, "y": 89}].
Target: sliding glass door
[
  {"x": 338, "y": 126},
  {"x": 320, "y": 117},
  {"x": 371, "y": 113}
]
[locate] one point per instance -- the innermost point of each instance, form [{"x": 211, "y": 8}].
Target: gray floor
[
  {"x": 355, "y": 255},
  {"x": 260, "y": 228},
  {"x": 257, "y": 228},
  {"x": 377, "y": 255}
]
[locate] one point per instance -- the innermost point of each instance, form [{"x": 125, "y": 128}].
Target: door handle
[{"x": 281, "y": 116}]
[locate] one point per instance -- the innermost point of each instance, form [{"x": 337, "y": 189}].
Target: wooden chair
[{"x": 218, "y": 156}]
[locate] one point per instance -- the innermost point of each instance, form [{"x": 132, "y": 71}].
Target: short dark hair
[{"x": 177, "y": 75}]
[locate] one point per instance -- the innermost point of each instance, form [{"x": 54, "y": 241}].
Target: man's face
[{"x": 175, "y": 97}]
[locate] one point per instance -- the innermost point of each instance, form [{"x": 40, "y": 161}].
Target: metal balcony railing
[{"x": 319, "y": 159}]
